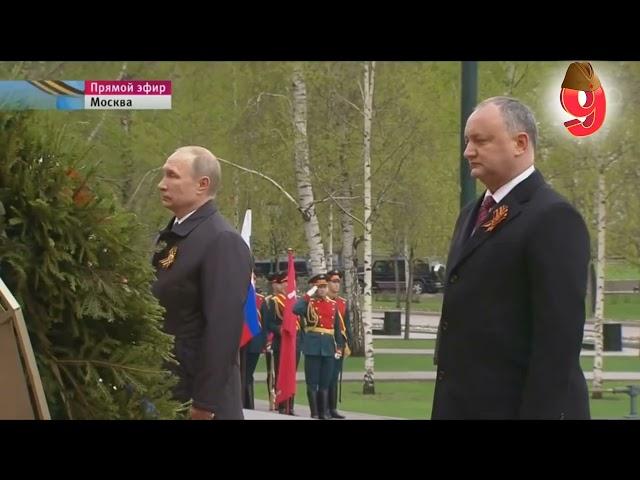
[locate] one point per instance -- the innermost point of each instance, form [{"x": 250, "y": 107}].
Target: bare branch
[
  {"x": 267, "y": 94},
  {"x": 54, "y": 71},
  {"x": 526, "y": 68},
  {"x": 135, "y": 192},
  {"x": 16, "y": 71},
  {"x": 335, "y": 201},
  {"x": 331, "y": 197},
  {"x": 397, "y": 147},
  {"x": 344, "y": 99},
  {"x": 284, "y": 140},
  {"x": 267, "y": 178},
  {"x": 353, "y": 217},
  {"x": 392, "y": 180},
  {"x": 104, "y": 113}
]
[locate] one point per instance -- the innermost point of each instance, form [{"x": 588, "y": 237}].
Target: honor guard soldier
[
  {"x": 323, "y": 343},
  {"x": 275, "y": 313},
  {"x": 335, "y": 279}
]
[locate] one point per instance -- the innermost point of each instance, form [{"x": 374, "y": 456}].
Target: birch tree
[
  {"x": 368, "y": 84},
  {"x": 600, "y": 264},
  {"x": 303, "y": 173},
  {"x": 602, "y": 196}
]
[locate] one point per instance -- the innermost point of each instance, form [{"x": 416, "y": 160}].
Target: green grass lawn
[
  {"x": 424, "y": 363},
  {"x": 622, "y": 306},
  {"x": 613, "y": 364},
  {"x": 611, "y": 405},
  {"x": 614, "y": 270},
  {"x": 413, "y": 400},
  {"x": 392, "y": 363},
  {"x": 411, "y": 363},
  {"x": 399, "y": 343},
  {"x": 427, "y": 303}
]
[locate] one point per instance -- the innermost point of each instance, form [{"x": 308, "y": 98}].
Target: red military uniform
[{"x": 322, "y": 341}]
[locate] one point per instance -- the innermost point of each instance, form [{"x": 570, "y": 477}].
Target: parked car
[
  {"x": 427, "y": 278},
  {"x": 262, "y": 268}
]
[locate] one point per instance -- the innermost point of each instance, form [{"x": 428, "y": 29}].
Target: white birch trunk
[
  {"x": 303, "y": 174},
  {"x": 601, "y": 226},
  {"x": 369, "y": 76}
]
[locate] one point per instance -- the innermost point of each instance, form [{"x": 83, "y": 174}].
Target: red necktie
[{"x": 483, "y": 212}]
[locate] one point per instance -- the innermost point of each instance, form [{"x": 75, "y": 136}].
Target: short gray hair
[
  {"x": 517, "y": 116},
  {"x": 204, "y": 164}
]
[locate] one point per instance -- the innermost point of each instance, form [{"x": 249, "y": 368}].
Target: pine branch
[{"x": 106, "y": 364}]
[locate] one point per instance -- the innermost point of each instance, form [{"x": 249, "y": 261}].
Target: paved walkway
[
  {"x": 626, "y": 352},
  {"x": 302, "y": 413}
]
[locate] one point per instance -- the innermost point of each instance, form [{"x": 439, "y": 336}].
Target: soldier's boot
[
  {"x": 323, "y": 404},
  {"x": 250, "y": 403},
  {"x": 291, "y": 404},
  {"x": 313, "y": 402},
  {"x": 333, "y": 402}
]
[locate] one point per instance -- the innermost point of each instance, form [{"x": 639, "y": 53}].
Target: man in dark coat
[
  {"x": 513, "y": 312},
  {"x": 203, "y": 271}
]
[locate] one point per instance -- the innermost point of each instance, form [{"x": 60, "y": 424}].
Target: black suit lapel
[
  {"x": 483, "y": 234},
  {"x": 462, "y": 234},
  {"x": 514, "y": 202},
  {"x": 173, "y": 232}
]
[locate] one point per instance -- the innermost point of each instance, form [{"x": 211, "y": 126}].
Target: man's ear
[
  {"x": 522, "y": 143},
  {"x": 203, "y": 184}
]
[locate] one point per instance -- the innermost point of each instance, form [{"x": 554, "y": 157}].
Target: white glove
[
  {"x": 338, "y": 355},
  {"x": 312, "y": 291}
]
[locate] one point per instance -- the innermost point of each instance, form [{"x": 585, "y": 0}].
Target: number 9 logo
[{"x": 594, "y": 109}]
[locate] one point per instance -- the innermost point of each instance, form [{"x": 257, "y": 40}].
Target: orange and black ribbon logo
[{"x": 56, "y": 87}]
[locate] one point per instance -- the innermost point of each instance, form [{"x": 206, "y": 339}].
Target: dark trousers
[
  {"x": 318, "y": 371},
  {"x": 250, "y": 368}
]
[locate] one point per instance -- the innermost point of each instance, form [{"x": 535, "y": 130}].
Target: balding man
[
  {"x": 513, "y": 311},
  {"x": 203, "y": 270}
]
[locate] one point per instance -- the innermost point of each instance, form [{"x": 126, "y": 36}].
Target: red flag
[{"x": 286, "y": 384}]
